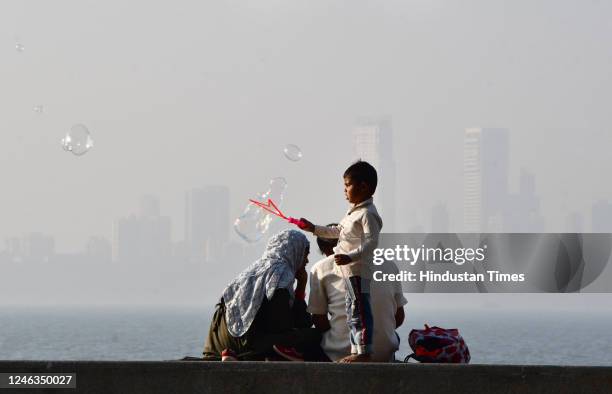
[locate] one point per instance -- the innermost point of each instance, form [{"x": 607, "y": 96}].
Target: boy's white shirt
[
  {"x": 327, "y": 297},
  {"x": 357, "y": 235}
]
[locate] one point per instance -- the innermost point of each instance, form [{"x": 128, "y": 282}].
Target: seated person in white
[{"x": 327, "y": 305}]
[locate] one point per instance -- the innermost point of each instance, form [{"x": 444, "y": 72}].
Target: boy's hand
[
  {"x": 308, "y": 226},
  {"x": 342, "y": 259}
]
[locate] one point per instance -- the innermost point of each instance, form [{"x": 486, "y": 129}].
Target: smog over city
[{"x": 135, "y": 133}]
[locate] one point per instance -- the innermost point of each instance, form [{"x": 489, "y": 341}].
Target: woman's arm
[
  {"x": 301, "y": 317},
  {"x": 321, "y": 322}
]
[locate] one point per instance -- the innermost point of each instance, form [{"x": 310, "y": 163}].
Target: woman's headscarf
[{"x": 276, "y": 269}]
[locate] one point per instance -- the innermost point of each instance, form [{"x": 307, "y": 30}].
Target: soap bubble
[
  {"x": 39, "y": 109},
  {"x": 292, "y": 152},
  {"x": 255, "y": 221},
  {"x": 77, "y": 140},
  {"x": 19, "y": 47}
]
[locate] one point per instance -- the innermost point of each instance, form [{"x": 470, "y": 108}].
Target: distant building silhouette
[
  {"x": 373, "y": 142},
  {"x": 440, "y": 218},
  {"x": 98, "y": 250},
  {"x": 574, "y": 223},
  {"x": 601, "y": 217},
  {"x": 13, "y": 251},
  {"x": 522, "y": 213},
  {"x": 38, "y": 247},
  {"x": 207, "y": 222},
  {"x": 144, "y": 237},
  {"x": 485, "y": 171},
  {"x": 411, "y": 223},
  {"x": 31, "y": 248}
]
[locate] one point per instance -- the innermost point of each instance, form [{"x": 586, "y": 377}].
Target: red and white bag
[{"x": 438, "y": 345}]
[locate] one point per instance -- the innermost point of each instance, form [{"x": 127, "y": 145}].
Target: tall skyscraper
[
  {"x": 440, "y": 218},
  {"x": 601, "y": 217},
  {"x": 522, "y": 212},
  {"x": 574, "y": 223},
  {"x": 485, "y": 172},
  {"x": 207, "y": 222},
  {"x": 373, "y": 142},
  {"x": 99, "y": 250}
]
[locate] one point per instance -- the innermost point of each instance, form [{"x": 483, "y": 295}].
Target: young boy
[
  {"x": 357, "y": 236},
  {"x": 326, "y": 303}
]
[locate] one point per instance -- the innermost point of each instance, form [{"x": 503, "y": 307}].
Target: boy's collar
[{"x": 361, "y": 204}]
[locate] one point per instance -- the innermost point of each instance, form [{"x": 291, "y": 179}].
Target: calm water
[{"x": 494, "y": 336}]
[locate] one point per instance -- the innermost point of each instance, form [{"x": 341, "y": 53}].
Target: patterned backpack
[{"x": 438, "y": 345}]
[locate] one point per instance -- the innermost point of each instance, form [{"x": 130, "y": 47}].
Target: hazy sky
[{"x": 188, "y": 93}]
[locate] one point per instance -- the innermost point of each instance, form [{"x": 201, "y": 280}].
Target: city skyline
[
  {"x": 170, "y": 110},
  {"x": 371, "y": 141}
]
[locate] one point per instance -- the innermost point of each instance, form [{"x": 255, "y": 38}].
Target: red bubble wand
[{"x": 271, "y": 207}]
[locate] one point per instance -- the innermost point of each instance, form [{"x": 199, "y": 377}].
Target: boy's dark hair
[
  {"x": 362, "y": 171},
  {"x": 327, "y": 242}
]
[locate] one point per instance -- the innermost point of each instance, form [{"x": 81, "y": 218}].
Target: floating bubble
[
  {"x": 39, "y": 109},
  {"x": 19, "y": 47},
  {"x": 292, "y": 152},
  {"x": 77, "y": 140},
  {"x": 255, "y": 221}
]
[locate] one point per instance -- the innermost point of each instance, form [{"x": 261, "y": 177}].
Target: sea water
[{"x": 170, "y": 333}]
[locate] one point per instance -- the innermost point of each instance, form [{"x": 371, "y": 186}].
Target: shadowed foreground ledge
[{"x": 258, "y": 377}]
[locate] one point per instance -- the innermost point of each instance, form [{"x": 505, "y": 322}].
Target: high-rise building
[
  {"x": 601, "y": 217},
  {"x": 143, "y": 238},
  {"x": 440, "y": 218},
  {"x": 373, "y": 142},
  {"x": 522, "y": 211},
  {"x": 207, "y": 222},
  {"x": 126, "y": 239},
  {"x": 38, "y": 247},
  {"x": 98, "y": 250},
  {"x": 14, "y": 247},
  {"x": 574, "y": 223},
  {"x": 485, "y": 171}
]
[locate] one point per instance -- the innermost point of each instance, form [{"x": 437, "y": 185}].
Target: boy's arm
[
  {"x": 371, "y": 231},
  {"x": 330, "y": 232}
]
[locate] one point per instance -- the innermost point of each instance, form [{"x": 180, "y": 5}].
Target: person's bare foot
[{"x": 356, "y": 358}]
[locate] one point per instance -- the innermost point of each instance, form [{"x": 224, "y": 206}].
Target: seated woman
[{"x": 260, "y": 314}]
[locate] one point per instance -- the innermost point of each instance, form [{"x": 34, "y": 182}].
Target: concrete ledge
[{"x": 259, "y": 377}]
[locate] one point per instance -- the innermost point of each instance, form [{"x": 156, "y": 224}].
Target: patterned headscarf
[{"x": 276, "y": 269}]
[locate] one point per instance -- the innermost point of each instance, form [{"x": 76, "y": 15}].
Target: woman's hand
[{"x": 302, "y": 278}]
